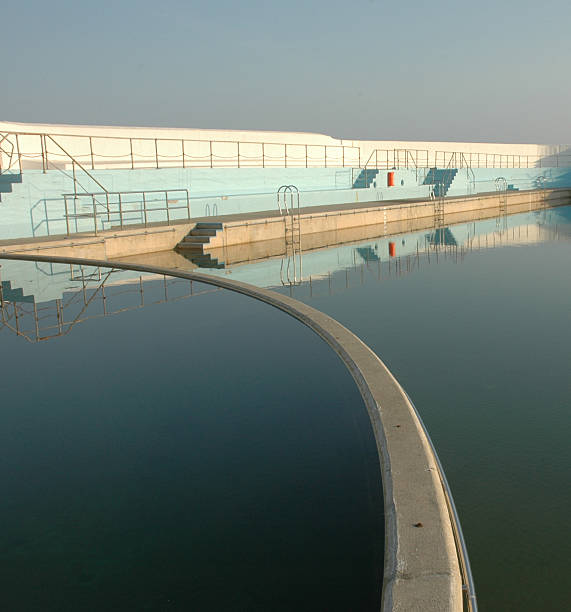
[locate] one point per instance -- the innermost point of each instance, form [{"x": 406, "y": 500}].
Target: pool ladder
[{"x": 288, "y": 206}]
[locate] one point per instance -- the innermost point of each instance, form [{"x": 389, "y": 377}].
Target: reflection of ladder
[
  {"x": 288, "y": 205},
  {"x": 439, "y": 207}
]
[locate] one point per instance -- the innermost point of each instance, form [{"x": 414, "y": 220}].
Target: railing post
[
  {"x": 19, "y": 154},
  {"x": 91, "y": 153},
  {"x": 285, "y": 155},
  {"x": 120, "y": 210},
  {"x": 187, "y": 204},
  {"x": 183, "y": 163},
  {"x": 107, "y": 205},
  {"x": 44, "y": 156},
  {"x": 167, "y": 205},
  {"x": 238, "y": 144},
  {"x": 94, "y": 216},
  {"x": 131, "y": 152},
  {"x": 325, "y": 153},
  {"x": 74, "y": 180},
  {"x": 343, "y": 155},
  {"x": 306, "y": 158},
  {"x": 145, "y": 208},
  {"x": 211, "y": 153},
  {"x": 66, "y": 214},
  {"x": 263, "y": 157},
  {"x": 157, "y": 153}
]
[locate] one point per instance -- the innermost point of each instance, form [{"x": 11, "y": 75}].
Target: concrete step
[
  {"x": 191, "y": 246},
  {"x": 196, "y": 239},
  {"x": 202, "y": 232},
  {"x": 208, "y": 225}
]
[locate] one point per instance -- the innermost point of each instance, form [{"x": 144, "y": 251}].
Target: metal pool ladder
[{"x": 288, "y": 206}]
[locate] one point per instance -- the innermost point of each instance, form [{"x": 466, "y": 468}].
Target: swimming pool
[
  {"x": 474, "y": 321},
  {"x": 171, "y": 446}
]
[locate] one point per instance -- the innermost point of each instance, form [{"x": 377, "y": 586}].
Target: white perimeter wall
[{"x": 140, "y": 147}]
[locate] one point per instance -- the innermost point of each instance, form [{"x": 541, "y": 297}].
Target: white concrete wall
[{"x": 141, "y": 147}]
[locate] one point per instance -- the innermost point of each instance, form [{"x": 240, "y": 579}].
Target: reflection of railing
[
  {"x": 124, "y": 207},
  {"x": 93, "y": 296},
  {"x": 145, "y": 152}
]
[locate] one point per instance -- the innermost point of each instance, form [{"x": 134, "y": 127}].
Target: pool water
[
  {"x": 475, "y": 322},
  {"x": 168, "y": 451}
]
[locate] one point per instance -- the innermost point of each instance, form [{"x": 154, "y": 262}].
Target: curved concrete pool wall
[{"x": 422, "y": 570}]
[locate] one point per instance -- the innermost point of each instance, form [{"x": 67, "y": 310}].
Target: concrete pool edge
[{"x": 422, "y": 570}]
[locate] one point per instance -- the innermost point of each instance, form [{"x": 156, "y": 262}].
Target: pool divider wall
[
  {"x": 263, "y": 228},
  {"x": 422, "y": 570}
]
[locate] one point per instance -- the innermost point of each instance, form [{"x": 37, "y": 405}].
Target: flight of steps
[
  {"x": 192, "y": 245},
  {"x": 365, "y": 178},
  {"x": 7, "y": 180},
  {"x": 441, "y": 178}
]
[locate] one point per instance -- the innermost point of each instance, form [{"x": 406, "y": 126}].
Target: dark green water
[
  {"x": 481, "y": 340},
  {"x": 204, "y": 454}
]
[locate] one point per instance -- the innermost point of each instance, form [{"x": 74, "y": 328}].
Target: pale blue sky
[{"x": 442, "y": 69}]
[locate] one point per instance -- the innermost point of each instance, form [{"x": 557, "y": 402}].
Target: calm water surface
[
  {"x": 476, "y": 325},
  {"x": 204, "y": 453}
]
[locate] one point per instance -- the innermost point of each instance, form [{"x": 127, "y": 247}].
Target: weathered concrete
[
  {"x": 257, "y": 227},
  {"x": 110, "y": 244},
  {"x": 421, "y": 564},
  {"x": 266, "y": 249},
  {"x": 336, "y": 224}
]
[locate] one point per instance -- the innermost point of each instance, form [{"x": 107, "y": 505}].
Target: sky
[{"x": 368, "y": 69}]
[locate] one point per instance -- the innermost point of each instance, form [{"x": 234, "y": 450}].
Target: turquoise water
[{"x": 168, "y": 451}]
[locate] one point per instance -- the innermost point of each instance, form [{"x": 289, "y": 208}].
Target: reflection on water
[
  {"x": 90, "y": 292},
  {"x": 475, "y": 322},
  {"x": 396, "y": 252},
  {"x": 175, "y": 447},
  {"x": 474, "y": 319}
]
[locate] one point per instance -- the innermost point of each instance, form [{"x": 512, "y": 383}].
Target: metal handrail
[
  {"x": 94, "y": 214},
  {"x": 9, "y": 155},
  {"x": 74, "y": 161},
  {"x": 212, "y": 159},
  {"x": 468, "y": 587}
]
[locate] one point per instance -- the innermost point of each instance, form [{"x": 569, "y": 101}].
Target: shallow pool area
[{"x": 170, "y": 446}]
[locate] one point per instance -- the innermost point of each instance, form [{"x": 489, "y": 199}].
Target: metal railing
[
  {"x": 145, "y": 152},
  {"x": 389, "y": 159},
  {"x": 124, "y": 207},
  {"x": 10, "y": 154},
  {"x": 149, "y": 152}
]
